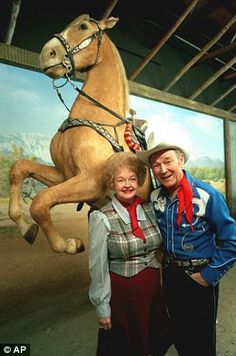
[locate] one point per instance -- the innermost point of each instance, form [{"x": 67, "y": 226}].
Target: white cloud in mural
[
  {"x": 19, "y": 95},
  {"x": 33, "y": 100},
  {"x": 204, "y": 133},
  {"x": 206, "y": 123}
]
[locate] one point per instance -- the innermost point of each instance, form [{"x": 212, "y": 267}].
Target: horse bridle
[{"x": 68, "y": 62}]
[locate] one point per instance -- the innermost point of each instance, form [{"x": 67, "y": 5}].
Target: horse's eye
[{"x": 83, "y": 26}]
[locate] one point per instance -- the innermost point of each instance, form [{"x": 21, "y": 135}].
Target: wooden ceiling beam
[
  {"x": 230, "y": 76},
  {"x": 165, "y": 38},
  {"x": 109, "y": 9},
  {"x": 30, "y": 60},
  {"x": 228, "y": 164},
  {"x": 218, "y": 52},
  {"x": 12, "y": 22},
  {"x": 213, "y": 78},
  {"x": 233, "y": 108},
  {"x": 199, "y": 54},
  {"x": 222, "y": 96},
  {"x": 144, "y": 91},
  {"x": 204, "y": 12}
]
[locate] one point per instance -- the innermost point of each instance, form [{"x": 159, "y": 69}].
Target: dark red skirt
[{"x": 137, "y": 316}]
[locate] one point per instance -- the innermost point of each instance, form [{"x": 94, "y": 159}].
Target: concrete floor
[{"x": 44, "y": 296}]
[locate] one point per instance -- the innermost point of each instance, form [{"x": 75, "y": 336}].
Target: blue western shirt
[{"x": 214, "y": 234}]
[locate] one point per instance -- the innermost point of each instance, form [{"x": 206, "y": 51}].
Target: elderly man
[{"x": 199, "y": 246}]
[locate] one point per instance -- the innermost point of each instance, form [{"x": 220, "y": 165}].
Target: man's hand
[
  {"x": 105, "y": 323},
  {"x": 199, "y": 279}
]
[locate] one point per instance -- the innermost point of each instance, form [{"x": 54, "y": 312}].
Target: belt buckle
[
  {"x": 191, "y": 267},
  {"x": 199, "y": 262},
  {"x": 185, "y": 263},
  {"x": 197, "y": 266}
]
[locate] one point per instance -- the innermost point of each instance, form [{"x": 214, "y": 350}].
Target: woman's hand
[{"x": 105, "y": 323}]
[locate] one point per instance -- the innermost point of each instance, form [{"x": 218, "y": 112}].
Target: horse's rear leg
[{"x": 19, "y": 171}]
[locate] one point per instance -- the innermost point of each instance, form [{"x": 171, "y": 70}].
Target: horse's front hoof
[
  {"x": 31, "y": 233},
  {"x": 81, "y": 247},
  {"x": 74, "y": 246}
]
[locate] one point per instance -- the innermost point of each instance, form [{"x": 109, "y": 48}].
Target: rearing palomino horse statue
[{"x": 85, "y": 139}]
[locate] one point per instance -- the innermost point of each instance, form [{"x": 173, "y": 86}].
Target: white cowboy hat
[{"x": 154, "y": 145}]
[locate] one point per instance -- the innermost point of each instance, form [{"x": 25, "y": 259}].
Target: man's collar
[{"x": 161, "y": 191}]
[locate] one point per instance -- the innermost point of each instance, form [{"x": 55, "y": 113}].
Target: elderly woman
[{"x": 125, "y": 275}]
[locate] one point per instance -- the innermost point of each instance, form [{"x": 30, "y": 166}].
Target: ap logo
[{"x": 15, "y": 349}]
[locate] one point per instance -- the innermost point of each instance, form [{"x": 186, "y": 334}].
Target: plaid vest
[{"x": 128, "y": 254}]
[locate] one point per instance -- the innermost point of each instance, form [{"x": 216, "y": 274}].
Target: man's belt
[{"x": 185, "y": 263}]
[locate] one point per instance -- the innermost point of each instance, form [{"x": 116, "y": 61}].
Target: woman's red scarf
[
  {"x": 185, "y": 196},
  {"x": 136, "y": 230}
]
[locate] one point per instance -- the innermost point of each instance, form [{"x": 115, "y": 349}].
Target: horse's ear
[{"x": 108, "y": 23}]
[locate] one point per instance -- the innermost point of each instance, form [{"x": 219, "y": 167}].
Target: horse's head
[{"x": 76, "y": 48}]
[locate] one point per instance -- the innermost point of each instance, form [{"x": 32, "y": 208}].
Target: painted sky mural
[
  {"x": 29, "y": 104},
  {"x": 31, "y": 113}
]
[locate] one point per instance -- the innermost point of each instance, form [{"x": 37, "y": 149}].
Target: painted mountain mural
[
  {"x": 34, "y": 145},
  {"x": 37, "y": 145}
]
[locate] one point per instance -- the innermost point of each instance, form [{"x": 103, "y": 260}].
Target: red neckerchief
[
  {"x": 185, "y": 196},
  {"x": 136, "y": 230}
]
